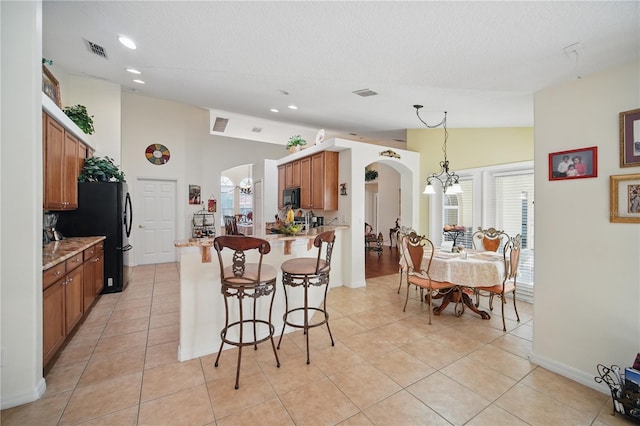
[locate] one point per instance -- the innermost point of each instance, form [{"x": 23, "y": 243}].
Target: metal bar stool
[
  {"x": 307, "y": 272},
  {"x": 243, "y": 279}
]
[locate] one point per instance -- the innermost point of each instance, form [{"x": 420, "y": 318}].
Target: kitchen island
[{"x": 202, "y": 312}]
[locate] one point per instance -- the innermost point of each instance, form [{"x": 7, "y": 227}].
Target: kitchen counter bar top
[
  {"x": 207, "y": 242},
  {"x": 59, "y": 251}
]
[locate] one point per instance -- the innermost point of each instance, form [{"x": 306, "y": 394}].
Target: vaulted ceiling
[{"x": 480, "y": 61}]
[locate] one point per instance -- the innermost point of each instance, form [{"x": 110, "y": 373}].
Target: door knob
[{"x": 140, "y": 226}]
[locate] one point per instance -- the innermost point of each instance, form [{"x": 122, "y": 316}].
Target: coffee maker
[{"x": 49, "y": 232}]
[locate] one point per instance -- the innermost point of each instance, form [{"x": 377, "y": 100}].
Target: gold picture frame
[
  {"x": 50, "y": 86},
  {"x": 624, "y": 195}
]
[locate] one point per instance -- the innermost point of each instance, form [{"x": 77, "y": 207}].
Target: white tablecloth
[{"x": 479, "y": 269}]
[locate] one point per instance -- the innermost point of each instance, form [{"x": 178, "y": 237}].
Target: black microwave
[{"x": 291, "y": 197}]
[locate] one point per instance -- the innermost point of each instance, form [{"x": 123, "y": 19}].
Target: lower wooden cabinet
[
  {"x": 53, "y": 320},
  {"x": 69, "y": 291},
  {"x": 74, "y": 304}
]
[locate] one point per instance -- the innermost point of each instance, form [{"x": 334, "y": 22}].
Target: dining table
[{"x": 467, "y": 269}]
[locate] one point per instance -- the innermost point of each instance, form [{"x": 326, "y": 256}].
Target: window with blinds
[
  {"x": 226, "y": 196},
  {"x": 500, "y": 197}
]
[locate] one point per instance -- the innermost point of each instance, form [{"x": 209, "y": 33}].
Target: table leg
[{"x": 466, "y": 300}]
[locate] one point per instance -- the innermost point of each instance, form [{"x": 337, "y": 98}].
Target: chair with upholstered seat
[
  {"x": 231, "y": 225},
  {"x": 308, "y": 272},
  {"x": 511, "y": 255},
  {"x": 419, "y": 252},
  {"x": 242, "y": 280},
  {"x": 489, "y": 239},
  {"x": 403, "y": 233}
]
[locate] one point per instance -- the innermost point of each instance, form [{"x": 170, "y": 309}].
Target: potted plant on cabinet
[
  {"x": 100, "y": 169},
  {"x": 79, "y": 115},
  {"x": 295, "y": 142}
]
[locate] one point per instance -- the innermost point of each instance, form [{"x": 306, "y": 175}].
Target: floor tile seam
[
  {"x": 548, "y": 395},
  {"x": 426, "y": 404},
  {"x": 85, "y": 420}
]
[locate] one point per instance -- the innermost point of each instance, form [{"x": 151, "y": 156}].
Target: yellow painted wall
[{"x": 466, "y": 149}]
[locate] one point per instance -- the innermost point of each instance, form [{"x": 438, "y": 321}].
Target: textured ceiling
[{"x": 480, "y": 61}]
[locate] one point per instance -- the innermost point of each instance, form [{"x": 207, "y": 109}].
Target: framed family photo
[
  {"x": 625, "y": 198},
  {"x": 50, "y": 86},
  {"x": 630, "y": 138},
  {"x": 574, "y": 164}
]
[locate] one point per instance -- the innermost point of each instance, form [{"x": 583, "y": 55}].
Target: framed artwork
[
  {"x": 194, "y": 194},
  {"x": 630, "y": 138},
  {"x": 574, "y": 164},
  {"x": 50, "y": 86},
  {"x": 624, "y": 198}
]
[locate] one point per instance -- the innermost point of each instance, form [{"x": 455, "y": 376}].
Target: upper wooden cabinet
[
  {"x": 318, "y": 180},
  {"x": 281, "y": 184},
  {"x": 292, "y": 174},
  {"x": 61, "y": 159},
  {"x": 324, "y": 181}
]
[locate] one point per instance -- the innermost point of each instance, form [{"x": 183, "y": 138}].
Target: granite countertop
[{"x": 59, "y": 251}]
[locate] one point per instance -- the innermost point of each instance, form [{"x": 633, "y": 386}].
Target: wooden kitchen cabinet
[
  {"x": 305, "y": 183},
  {"x": 292, "y": 174},
  {"x": 324, "y": 181},
  {"x": 318, "y": 181},
  {"x": 93, "y": 274},
  {"x": 281, "y": 184},
  {"x": 60, "y": 162},
  {"x": 53, "y": 320},
  {"x": 73, "y": 298}
]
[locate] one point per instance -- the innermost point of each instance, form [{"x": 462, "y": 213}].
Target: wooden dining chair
[
  {"x": 231, "y": 226},
  {"x": 489, "y": 239},
  {"x": 418, "y": 265},
  {"x": 511, "y": 256},
  {"x": 401, "y": 242}
]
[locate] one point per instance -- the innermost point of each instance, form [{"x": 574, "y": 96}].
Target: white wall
[
  {"x": 21, "y": 206},
  {"x": 587, "y": 272},
  {"x": 102, "y": 100}
]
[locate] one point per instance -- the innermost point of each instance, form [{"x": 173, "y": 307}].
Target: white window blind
[
  {"x": 226, "y": 196},
  {"x": 513, "y": 207}
]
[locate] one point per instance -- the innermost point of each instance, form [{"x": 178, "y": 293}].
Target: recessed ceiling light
[
  {"x": 127, "y": 42},
  {"x": 139, "y": 81},
  {"x": 293, "y": 107},
  {"x": 274, "y": 110},
  {"x": 282, "y": 92},
  {"x": 133, "y": 71}
]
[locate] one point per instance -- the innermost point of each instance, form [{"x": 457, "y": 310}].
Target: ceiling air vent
[
  {"x": 220, "y": 125},
  {"x": 96, "y": 49},
  {"x": 365, "y": 92},
  {"x": 256, "y": 129}
]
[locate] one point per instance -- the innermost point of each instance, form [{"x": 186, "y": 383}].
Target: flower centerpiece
[{"x": 295, "y": 142}]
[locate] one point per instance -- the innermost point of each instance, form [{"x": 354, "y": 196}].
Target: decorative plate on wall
[{"x": 157, "y": 154}]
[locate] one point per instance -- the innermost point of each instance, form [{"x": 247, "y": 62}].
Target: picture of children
[{"x": 571, "y": 171}]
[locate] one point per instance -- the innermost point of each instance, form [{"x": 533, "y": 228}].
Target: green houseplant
[
  {"x": 370, "y": 174},
  {"x": 100, "y": 169},
  {"x": 79, "y": 115},
  {"x": 295, "y": 142}
]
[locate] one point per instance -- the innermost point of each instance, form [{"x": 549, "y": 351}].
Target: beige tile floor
[{"x": 388, "y": 367}]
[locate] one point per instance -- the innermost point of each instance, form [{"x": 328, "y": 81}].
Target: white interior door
[{"x": 156, "y": 232}]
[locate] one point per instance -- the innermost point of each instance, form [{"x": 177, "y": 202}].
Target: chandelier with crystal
[{"x": 449, "y": 180}]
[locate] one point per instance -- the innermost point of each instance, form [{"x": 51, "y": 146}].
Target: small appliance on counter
[{"x": 50, "y": 233}]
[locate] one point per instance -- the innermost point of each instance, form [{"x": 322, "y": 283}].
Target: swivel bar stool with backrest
[
  {"x": 251, "y": 280},
  {"x": 308, "y": 272}
]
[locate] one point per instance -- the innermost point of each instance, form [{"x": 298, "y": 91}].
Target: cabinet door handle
[{"x": 57, "y": 273}]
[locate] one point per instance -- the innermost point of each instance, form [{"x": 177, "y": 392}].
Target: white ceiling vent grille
[
  {"x": 220, "y": 125},
  {"x": 96, "y": 49},
  {"x": 256, "y": 129},
  {"x": 365, "y": 92}
]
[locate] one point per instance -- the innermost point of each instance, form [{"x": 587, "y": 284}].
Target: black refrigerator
[{"x": 104, "y": 208}]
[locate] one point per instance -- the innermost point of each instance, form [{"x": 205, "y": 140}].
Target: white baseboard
[
  {"x": 9, "y": 401},
  {"x": 574, "y": 374}
]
